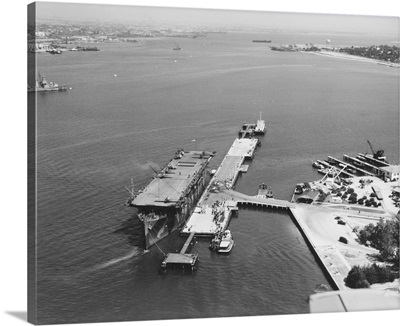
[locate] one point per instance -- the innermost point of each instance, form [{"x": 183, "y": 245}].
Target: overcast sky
[{"x": 131, "y": 14}]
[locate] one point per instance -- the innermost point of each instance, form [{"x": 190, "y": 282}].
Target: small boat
[
  {"x": 331, "y": 161},
  {"x": 226, "y": 246},
  {"x": 358, "y": 164},
  {"x": 222, "y": 242},
  {"x": 298, "y": 190},
  {"x": 269, "y": 194},
  {"x": 54, "y": 51},
  {"x": 264, "y": 192},
  {"x": 177, "y": 47},
  {"x": 352, "y": 171},
  {"x": 317, "y": 165},
  {"x": 227, "y": 243}
]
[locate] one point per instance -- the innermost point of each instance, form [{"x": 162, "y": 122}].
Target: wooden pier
[
  {"x": 247, "y": 131},
  {"x": 370, "y": 159},
  {"x": 215, "y": 207},
  {"x": 244, "y": 200},
  {"x": 359, "y": 165},
  {"x": 362, "y": 165},
  {"x": 348, "y": 163}
]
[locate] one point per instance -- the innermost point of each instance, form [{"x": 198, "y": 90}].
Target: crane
[{"x": 379, "y": 154}]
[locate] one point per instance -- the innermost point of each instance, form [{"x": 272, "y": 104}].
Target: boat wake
[
  {"x": 72, "y": 277},
  {"x": 134, "y": 253}
]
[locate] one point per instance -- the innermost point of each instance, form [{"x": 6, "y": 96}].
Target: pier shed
[{"x": 391, "y": 172}]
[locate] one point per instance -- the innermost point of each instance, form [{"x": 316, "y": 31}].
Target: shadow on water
[
  {"x": 263, "y": 209},
  {"x": 177, "y": 271},
  {"x": 132, "y": 228}
]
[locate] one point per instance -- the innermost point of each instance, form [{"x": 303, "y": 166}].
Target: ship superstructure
[
  {"x": 260, "y": 126},
  {"x": 42, "y": 85},
  {"x": 166, "y": 203}
]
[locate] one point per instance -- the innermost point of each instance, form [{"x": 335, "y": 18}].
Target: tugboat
[
  {"x": 317, "y": 165},
  {"x": 260, "y": 127},
  {"x": 42, "y": 85}
]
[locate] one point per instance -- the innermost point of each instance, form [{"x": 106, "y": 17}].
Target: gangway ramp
[{"x": 187, "y": 243}]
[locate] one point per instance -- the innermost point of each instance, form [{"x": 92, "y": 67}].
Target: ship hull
[
  {"x": 174, "y": 217},
  {"x": 57, "y": 89}
]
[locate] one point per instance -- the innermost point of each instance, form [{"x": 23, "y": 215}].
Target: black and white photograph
[{"x": 189, "y": 164}]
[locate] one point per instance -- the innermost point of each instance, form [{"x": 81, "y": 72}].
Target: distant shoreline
[{"x": 352, "y": 57}]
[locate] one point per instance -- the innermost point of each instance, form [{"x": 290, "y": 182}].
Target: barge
[{"x": 166, "y": 203}]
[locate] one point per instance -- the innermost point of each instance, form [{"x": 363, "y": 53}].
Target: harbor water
[{"x": 131, "y": 107}]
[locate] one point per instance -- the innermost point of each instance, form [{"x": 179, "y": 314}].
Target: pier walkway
[
  {"x": 219, "y": 200},
  {"x": 242, "y": 199},
  {"x": 215, "y": 206}
]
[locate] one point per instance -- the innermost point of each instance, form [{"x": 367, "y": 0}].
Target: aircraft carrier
[{"x": 169, "y": 199}]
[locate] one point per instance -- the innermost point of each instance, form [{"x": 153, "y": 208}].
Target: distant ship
[
  {"x": 87, "y": 48},
  {"x": 54, "y": 51},
  {"x": 42, "y": 85},
  {"x": 262, "y": 41},
  {"x": 177, "y": 47}
]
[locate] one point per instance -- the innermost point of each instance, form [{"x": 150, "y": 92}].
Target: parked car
[
  {"x": 341, "y": 222},
  {"x": 344, "y": 240}
]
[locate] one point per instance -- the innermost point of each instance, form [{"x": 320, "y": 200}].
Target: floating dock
[{"x": 182, "y": 259}]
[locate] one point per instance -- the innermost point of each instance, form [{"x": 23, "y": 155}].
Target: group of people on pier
[
  {"x": 215, "y": 242},
  {"x": 218, "y": 212}
]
